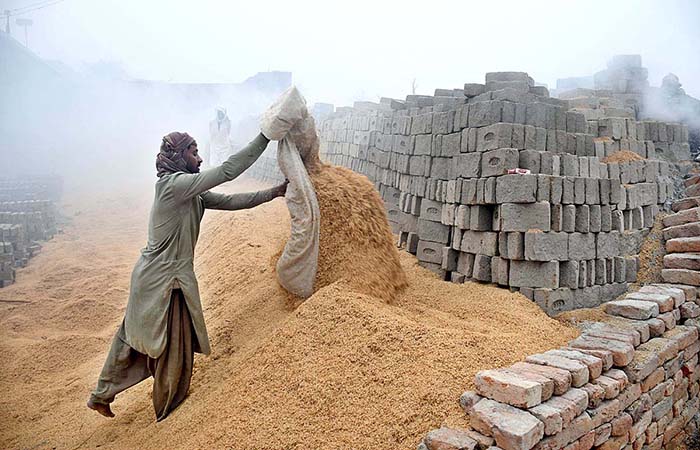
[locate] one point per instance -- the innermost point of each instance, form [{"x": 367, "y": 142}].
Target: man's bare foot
[{"x": 100, "y": 408}]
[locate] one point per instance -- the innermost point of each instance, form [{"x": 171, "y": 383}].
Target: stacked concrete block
[
  {"x": 629, "y": 382},
  {"x": 7, "y": 263},
  {"x": 566, "y": 231},
  {"x": 265, "y": 168},
  {"x": 27, "y": 215},
  {"x": 626, "y": 78}
]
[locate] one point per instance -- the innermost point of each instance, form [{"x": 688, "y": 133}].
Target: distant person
[
  {"x": 219, "y": 138},
  {"x": 164, "y": 325}
]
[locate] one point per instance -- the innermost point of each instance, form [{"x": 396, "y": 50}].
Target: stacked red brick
[
  {"x": 682, "y": 235},
  {"x": 566, "y": 235},
  {"x": 631, "y": 382},
  {"x": 27, "y": 215}
]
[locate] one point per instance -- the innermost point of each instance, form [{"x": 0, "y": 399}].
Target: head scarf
[{"x": 171, "y": 158}]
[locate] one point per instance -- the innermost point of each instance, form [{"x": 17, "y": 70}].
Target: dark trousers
[{"x": 171, "y": 371}]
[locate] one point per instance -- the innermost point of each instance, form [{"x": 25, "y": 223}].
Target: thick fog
[{"x": 104, "y": 122}]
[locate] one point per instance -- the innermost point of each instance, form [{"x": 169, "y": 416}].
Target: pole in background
[
  {"x": 7, "y": 24},
  {"x": 26, "y": 23}
]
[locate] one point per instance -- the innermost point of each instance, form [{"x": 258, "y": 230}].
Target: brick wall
[{"x": 630, "y": 382}]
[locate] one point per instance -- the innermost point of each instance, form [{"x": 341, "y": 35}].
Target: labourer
[
  {"x": 164, "y": 325},
  {"x": 219, "y": 147}
]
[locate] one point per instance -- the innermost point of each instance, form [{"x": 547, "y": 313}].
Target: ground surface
[{"x": 341, "y": 370}]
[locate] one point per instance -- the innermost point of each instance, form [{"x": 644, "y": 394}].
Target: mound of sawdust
[
  {"x": 356, "y": 247},
  {"x": 622, "y": 156},
  {"x": 343, "y": 370},
  {"x": 651, "y": 255},
  {"x": 577, "y": 316}
]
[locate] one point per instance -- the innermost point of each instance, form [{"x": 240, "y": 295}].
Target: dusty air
[{"x": 369, "y": 225}]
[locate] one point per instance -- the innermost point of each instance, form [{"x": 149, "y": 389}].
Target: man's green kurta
[{"x": 167, "y": 261}]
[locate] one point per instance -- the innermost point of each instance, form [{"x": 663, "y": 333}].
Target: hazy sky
[{"x": 341, "y": 51}]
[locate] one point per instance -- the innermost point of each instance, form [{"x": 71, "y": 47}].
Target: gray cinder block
[
  {"x": 534, "y": 274},
  {"x": 524, "y": 217},
  {"x": 465, "y": 264},
  {"x": 485, "y": 113},
  {"x": 595, "y": 218},
  {"x": 579, "y": 191},
  {"x": 433, "y": 231},
  {"x": 497, "y": 135},
  {"x": 482, "y": 268},
  {"x": 468, "y": 165},
  {"x": 592, "y": 191},
  {"x": 530, "y": 159},
  {"x": 430, "y": 210},
  {"x": 554, "y": 301},
  {"x": 516, "y": 189},
  {"x": 568, "y": 274},
  {"x": 583, "y": 219},
  {"x": 449, "y": 259},
  {"x": 481, "y": 218},
  {"x": 557, "y": 212},
  {"x": 550, "y": 246},
  {"x": 497, "y": 162},
  {"x": 484, "y": 242},
  {"x": 582, "y": 246},
  {"x": 608, "y": 244}
]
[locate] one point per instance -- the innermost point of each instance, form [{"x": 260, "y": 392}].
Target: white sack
[
  {"x": 296, "y": 268},
  {"x": 279, "y": 118}
]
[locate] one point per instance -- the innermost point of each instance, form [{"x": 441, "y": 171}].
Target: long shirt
[{"x": 167, "y": 261}]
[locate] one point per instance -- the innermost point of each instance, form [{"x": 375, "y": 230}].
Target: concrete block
[
  {"x": 550, "y": 246},
  {"x": 430, "y": 252},
  {"x": 582, "y": 246},
  {"x": 515, "y": 245},
  {"x": 544, "y": 185},
  {"x": 556, "y": 222},
  {"x": 462, "y": 217},
  {"x": 556, "y": 189},
  {"x": 531, "y": 160},
  {"x": 485, "y": 113},
  {"x": 567, "y": 195},
  {"x": 497, "y": 162},
  {"x": 465, "y": 264},
  {"x": 569, "y": 274},
  {"x": 579, "y": 190},
  {"x": 608, "y": 244},
  {"x": 524, "y": 217},
  {"x": 498, "y": 135},
  {"x": 482, "y": 268},
  {"x": 516, "y": 189},
  {"x": 469, "y": 192},
  {"x": 554, "y": 301},
  {"x": 430, "y": 210},
  {"x": 499, "y": 271},
  {"x": 433, "y": 231},
  {"x": 482, "y": 242},
  {"x": 490, "y": 191},
  {"x": 568, "y": 221},
  {"x": 481, "y": 218},
  {"x": 583, "y": 219},
  {"x": 534, "y": 274},
  {"x": 595, "y": 219},
  {"x": 592, "y": 191},
  {"x": 449, "y": 259}
]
